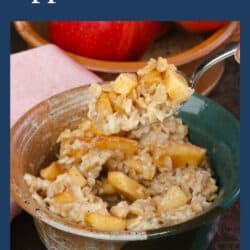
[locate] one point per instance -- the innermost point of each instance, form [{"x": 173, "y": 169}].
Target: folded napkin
[{"x": 39, "y": 73}]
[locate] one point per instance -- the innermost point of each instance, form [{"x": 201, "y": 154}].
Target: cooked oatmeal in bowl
[
  {"x": 151, "y": 178},
  {"x": 128, "y": 166},
  {"x": 175, "y": 166}
]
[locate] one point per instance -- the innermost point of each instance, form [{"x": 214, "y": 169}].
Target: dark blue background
[{"x": 123, "y": 10}]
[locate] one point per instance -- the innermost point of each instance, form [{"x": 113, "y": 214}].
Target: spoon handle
[{"x": 230, "y": 50}]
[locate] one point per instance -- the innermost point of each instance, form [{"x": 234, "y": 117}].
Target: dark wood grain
[{"x": 227, "y": 93}]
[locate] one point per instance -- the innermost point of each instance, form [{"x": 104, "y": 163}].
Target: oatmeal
[
  {"x": 119, "y": 175},
  {"x": 131, "y": 100}
]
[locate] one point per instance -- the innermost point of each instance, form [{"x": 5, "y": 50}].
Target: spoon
[{"x": 232, "y": 49}]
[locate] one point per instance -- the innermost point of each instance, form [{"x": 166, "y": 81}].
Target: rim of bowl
[
  {"x": 216, "y": 209},
  {"x": 29, "y": 34}
]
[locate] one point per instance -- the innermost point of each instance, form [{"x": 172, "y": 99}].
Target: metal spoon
[{"x": 232, "y": 49}]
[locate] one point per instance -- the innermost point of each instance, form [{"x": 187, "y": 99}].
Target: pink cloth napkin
[{"x": 39, "y": 73}]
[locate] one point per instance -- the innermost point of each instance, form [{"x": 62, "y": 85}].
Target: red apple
[
  {"x": 201, "y": 26},
  {"x": 109, "y": 40}
]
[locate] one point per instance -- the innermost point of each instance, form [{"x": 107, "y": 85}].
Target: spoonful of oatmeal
[{"x": 150, "y": 95}]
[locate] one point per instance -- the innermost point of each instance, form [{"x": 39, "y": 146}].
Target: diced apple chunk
[
  {"x": 64, "y": 197},
  {"x": 77, "y": 177},
  {"x": 95, "y": 131},
  {"x": 105, "y": 222},
  {"x": 128, "y": 146},
  {"x": 181, "y": 154},
  {"x": 124, "y": 83},
  {"x": 151, "y": 77},
  {"x": 173, "y": 199},
  {"x": 177, "y": 87},
  {"x": 52, "y": 171},
  {"x": 127, "y": 186},
  {"x": 103, "y": 106},
  {"x": 116, "y": 102}
]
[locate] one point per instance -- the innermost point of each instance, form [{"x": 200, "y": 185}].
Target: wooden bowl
[{"x": 180, "y": 47}]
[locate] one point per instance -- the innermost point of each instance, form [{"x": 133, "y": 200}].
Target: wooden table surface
[{"x": 227, "y": 93}]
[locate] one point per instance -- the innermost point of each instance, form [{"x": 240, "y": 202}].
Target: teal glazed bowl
[{"x": 33, "y": 140}]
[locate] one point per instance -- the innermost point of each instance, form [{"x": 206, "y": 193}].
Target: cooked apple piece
[
  {"x": 95, "y": 131},
  {"x": 106, "y": 188},
  {"x": 105, "y": 222},
  {"x": 151, "y": 77},
  {"x": 103, "y": 106},
  {"x": 182, "y": 154},
  {"x": 127, "y": 186},
  {"x": 177, "y": 87},
  {"x": 64, "y": 197},
  {"x": 77, "y": 177},
  {"x": 116, "y": 102},
  {"x": 52, "y": 171},
  {"x": 124, "y": 83},
  {"x": 128, "y": 146},
  {"x": 173, "y": 199}
]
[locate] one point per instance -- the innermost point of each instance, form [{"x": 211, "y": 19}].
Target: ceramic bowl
[{"x": 33, "y": 140}]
